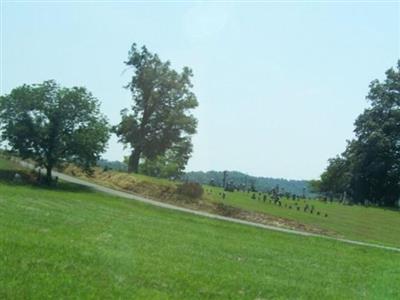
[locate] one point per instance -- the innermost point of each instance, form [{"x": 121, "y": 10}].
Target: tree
[
  {"x": 370, "y": 166},
  {"x": 171, "y": 164},
  {"x": 314, "y": 186},
  {"x": 53, "y": 125},
  {"x": 160, "y": 115},
  {"x": 336, "y": 177},
  {"x": 376, "y": 151}
]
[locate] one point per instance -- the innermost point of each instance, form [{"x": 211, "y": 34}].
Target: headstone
[{"x": 17, "y": 178}]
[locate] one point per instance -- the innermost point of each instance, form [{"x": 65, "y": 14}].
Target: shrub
[{"x": 190, "y": 189}]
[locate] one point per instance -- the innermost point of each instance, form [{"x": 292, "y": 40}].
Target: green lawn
[
  {"x": 374, "y": 225},
  {"x": 74, "y": 243},
  {"x": 370, "y": 224}
]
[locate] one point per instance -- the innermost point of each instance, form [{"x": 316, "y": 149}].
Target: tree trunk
[
  {"x": 133, "y": 164},
  {"x": 48, "y": 174}
]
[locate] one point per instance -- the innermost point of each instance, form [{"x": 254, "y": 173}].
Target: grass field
[
  {"x": 74, "y": 243},
  {"x": 371, "y": 224},
  {"x": 375, "y": 225}
]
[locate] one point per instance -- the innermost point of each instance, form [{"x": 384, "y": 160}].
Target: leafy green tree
[
  {"x": 369, "y": 169},
  {"x": 314, "y": 186},
  {"x": 376, "y": 152},
  {"x": 53, "y": 125},
  {"x": 336, "y": 178},
  {"x": 171, "y": 164},
  {"x": 160, "y": 116}
]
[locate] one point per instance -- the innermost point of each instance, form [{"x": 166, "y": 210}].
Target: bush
[{"x": 190, "y": 189}]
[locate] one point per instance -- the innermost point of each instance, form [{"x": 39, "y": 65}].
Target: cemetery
[{"x": 199, "y": 149}]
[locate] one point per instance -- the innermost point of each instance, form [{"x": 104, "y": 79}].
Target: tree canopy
[
  {"x": 171, "y": 164},
  {"x": 160, "y": 117},
  {"x": 369, "y": 168},
  {"x": 53, "y": 125}
]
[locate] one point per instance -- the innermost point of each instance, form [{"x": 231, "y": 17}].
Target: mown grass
[
  {"x": 372, "y": 224},
  {"x": 369, "y": 224},
  {"x": 80, "y": 244}
]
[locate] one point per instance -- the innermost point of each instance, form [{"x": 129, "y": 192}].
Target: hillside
[
  {"x": 368, "y": 224},
  {"x": 71, "y": 241},
  {"x": 378, "y": 225}
]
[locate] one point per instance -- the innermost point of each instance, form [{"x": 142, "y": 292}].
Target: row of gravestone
[{"x": 276, "y": 200}]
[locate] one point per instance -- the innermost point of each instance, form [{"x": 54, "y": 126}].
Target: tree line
[
  {"x": 55, "y": 125},
  {"x": 368, "y": 171},
  {"x": 242, "y": 181}
]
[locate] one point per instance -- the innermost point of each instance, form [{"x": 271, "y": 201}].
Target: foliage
[
  {"x": 53, "y": 125},
  {"x": 336, "y": 178},
  {"x": 369, "y": 169},
  {"x": 112, "y": 165},
  {"x": 190, "y": 189},
  {"x": 160, "y": 117},
  {"x": 169, "y": 165},
  {"x": 315, "y": 186}
]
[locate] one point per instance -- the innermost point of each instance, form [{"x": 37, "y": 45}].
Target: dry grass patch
[{"x": 143, "y": 185}]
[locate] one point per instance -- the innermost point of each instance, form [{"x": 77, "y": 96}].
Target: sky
[{"x": 279, "y": 85}]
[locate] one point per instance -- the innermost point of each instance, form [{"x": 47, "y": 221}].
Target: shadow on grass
[
  {"x": 395, "y": 209},
  {"x": 30, "y": 178}
]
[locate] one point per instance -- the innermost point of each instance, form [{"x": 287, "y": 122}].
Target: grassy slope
[
  {"x": 374, "y": 225},
  {"x": 79, "y": 244},
  {"x": 6, "y": 165},
  {"x": 354, "y": 222}
]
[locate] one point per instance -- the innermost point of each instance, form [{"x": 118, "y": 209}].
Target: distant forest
[
  {"x": 112, "y": 165},
  {"x": 262, "y": 184}
]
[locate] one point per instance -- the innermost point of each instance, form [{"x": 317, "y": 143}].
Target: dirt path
[{"x": 135, "y": 197}]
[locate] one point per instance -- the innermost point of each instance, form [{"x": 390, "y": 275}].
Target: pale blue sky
[{"x": 279, "y": 85}]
